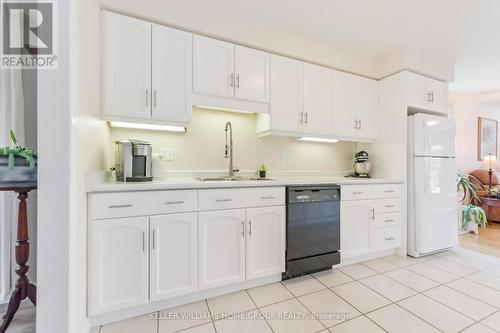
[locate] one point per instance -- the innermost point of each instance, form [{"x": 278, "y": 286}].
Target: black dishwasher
[{"x": 312, "y": 229}]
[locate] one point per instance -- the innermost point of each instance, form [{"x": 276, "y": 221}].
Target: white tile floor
[{"x": 455, "y": 291}]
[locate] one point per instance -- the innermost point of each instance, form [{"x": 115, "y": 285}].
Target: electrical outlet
[
  {"x": 168, "y": 154},
  {"x": 284, "y": 157}
]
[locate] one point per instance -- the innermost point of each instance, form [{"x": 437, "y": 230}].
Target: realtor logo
[{"x": 28, "y": 32}]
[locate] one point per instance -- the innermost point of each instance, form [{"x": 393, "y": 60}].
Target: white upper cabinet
[
  {"x": 286, "y": 94},
  {"x": 231, "y": 77},
  {"x": 427, "y": 94},
  {"x": 317, "y": 99},
  {"x": 173, "y": 264},
  {"x": 265, "y": 245},
  {"x": 221, "y": 250},
  {"x": 118, "y": 264},
  {"x": 126, "y": 66},
  {"x": 367, "y": 108},
  {"x": 354, "y": 106},
  {"x": 146, "y": 72},
  {"x": 172, "y": 74},
  {"x": 251, "y": 75},
  {"x": 343, "y": 111},
  {"x": 213, "y": 67}
]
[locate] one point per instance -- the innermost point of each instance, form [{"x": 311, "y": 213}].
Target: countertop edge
[{"x": 193, "y": 184}]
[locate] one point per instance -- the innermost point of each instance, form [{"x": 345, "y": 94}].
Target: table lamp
[{"x": 490, "y": 163}]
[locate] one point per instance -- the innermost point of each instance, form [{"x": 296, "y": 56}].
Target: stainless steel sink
[{"x": 231, "y": 179}]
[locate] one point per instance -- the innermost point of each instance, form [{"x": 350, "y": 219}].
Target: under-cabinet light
[
  {"x": 315, "y": 139},
  {"x": 147, "y": 126}
]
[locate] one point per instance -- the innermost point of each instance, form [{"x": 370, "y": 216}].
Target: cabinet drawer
[
  {"x": 356, "y": 192},
  {"x": 385, "y": 238},
  {"x": 387, "y": 205},
  {"x": 386, "y": 220},
  {"x": 215, "y": 199},
  {"x": 387, "y": 191},
  {"x": 127, "y": 204}
]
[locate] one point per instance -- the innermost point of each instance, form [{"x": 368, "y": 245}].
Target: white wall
[
  {"x": 466, "y": 108},
  {"x": 202, "y": 147},
  {"x": 54, "y": 165}
]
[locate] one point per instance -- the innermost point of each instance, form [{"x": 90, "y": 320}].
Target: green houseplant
[
  {"x": 472, "y": 216},
  {"x": 262, "y": 171},
  {"x": 17, "y": 164}
]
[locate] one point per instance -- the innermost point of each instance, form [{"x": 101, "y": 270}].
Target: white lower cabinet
[
  {"x": 221, "y": 253},
  {"x": 173, "y": 264},
  {"x": 370, "y": 219},
  {"x": 265, "y": 241},
  {"x": 175, "y": 252},
  {"x": 355, "y": 219},
  {"x": 118, "y": 270}
]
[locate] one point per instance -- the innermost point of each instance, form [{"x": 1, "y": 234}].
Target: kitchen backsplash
[{"x": 202, "y": 147}]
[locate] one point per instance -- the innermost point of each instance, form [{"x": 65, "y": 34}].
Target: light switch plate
[
  {"x": 168, "y": 154},
  {"x": 284, "y": 157}
]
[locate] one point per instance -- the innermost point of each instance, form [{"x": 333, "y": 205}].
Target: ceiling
[{"x": 466, "y": 32}]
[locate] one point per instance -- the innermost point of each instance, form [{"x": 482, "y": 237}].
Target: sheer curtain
[{"x": 11, "y": 116}]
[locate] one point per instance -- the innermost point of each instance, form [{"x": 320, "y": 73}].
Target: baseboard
[{"x": 176, "y": 301}]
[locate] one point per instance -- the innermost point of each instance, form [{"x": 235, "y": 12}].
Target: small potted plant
[
  {"x": 17, "y": 164},
  {"x": 472, "y": 218},
  {"x": 262, "y": 171}
]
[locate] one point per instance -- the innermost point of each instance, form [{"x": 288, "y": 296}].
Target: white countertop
[{"x": 193, "y": 183}]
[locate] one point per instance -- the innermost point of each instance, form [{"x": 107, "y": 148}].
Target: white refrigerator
[{"x": 432, "y": 190}]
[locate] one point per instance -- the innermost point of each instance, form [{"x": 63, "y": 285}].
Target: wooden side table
[
  {"x": 487, "y": 203},
  {"x": 23, "y": 289}
]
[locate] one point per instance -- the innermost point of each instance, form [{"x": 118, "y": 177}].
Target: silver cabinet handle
[
  {"x": 223, "y": 200},
  {"x": 389, "y": 206},
  {"x": 231, "y": 80},
  {"x": 357, "y": 192},
  {"x": 147, "y": 96},
  {"x": 389, "y": 220},
  {"x": 355, "y": 124},
  {"x": 268, "y": 198},
  {"x": 173, "y": 202},
  {"x": 143, "y": 241},
  {"x": 430, "y": 96},
  {"x": 237, "y": 80},
  {"x": 360, "y": 124},
  {"x": 243, "y": 229},
  {"x": 154, "y": 98},
  {"x": 307, "y": 117},
  {"x": 301, "y": 117},
  {"x": 249, "y": 227},
  {"x": 389, "y": 191},
  {"x": 120, "y": 206},
  {"x": 153, "y": 239},
  {"x": 389, "y": 238},
  {"x": 373, "y": 213}
]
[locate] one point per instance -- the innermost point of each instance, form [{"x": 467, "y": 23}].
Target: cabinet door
[
  {"x": 355, "y": 219},
  {"x": 252, "y": 75},
  {"x": 118, "y": 264},
  {"x": 367, "y": 108},
  {"x": 213, "y": 67},
  {"x": 265, "y": 246},
  {"x": 343, "y": 104},
  {"x": 438, "y": 96},
  {"x": 286, "y": 94},
  {"x": 126, "y": 66},
  {"x": 173, "y": 265},
  {"x": 221, "y": 252},
  {"x": 172, "y": 77},
  {"x": 317, "y": 99},
  {"x": 417, "y": 92}
]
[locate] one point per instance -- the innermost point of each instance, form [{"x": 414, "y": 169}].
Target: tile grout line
[{"x": 258, "y": 309}]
